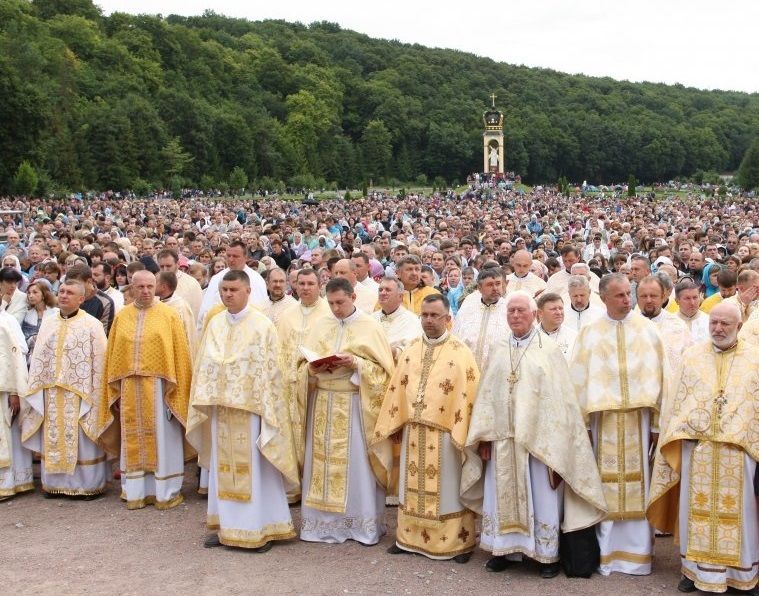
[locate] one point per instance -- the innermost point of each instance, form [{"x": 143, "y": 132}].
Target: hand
[
  {"x": 14, "y": 403},
  {"x": 345, "y": 360},
  {"x": 484, "y": 450}
]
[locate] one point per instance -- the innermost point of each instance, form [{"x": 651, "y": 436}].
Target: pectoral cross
[
  {"x": 721, "y": 401},
  {"x": 513, "y": 378}
]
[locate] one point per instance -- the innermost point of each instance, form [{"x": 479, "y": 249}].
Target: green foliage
[
  {"x": 631, "y": 184},
  {"x": 563, "y": 185},
  {"x": 748, "y": 173},
  {"x": 103, "y": 102},
  {"x": 238, "y": 179},
  {"x": 140, "y": 187},
  {"x": 25, "y": 180}
]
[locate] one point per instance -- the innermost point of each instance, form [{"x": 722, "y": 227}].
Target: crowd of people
[{"x": 547, "y": 377}]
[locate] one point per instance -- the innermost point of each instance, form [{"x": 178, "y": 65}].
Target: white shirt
[{"x": 258, "y": 295}]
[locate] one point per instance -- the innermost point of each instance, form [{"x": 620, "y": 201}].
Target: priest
[
  {"x": 239, "y": 425},
  {"x": 278, "y": 300},
  {"x": 15, "y": 459},
  {"x": 188, "y": 287},
  {"x": 651, "y": 296},
  {"x": 581, "y": 308},
  {"x": 529, "y": 469},
  {"x": 426, "y": 409},
  {"x": 166, "y": 290},
  {"x": 481, "y": 323},
  {"x": 551, "y": 322},
  {"x": 399, "y": 324},
  {"x": 523, "y": 278},
  {"x": 343, "y": 483},
  {"x": 619, "y": 372},
  {"x": 688, "y": 298},
  {"x": 62, "y": 421},
  {"x": 703, "y": 486},
  {"x": 147, "y": 382}
]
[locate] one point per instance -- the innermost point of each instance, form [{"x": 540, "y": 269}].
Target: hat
[
  {"x": 183, "y": 263},
  {"x": 662, "y": 261}
]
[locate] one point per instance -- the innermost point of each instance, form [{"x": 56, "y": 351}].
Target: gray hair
[
  {"x": 522, "y": 294},
  {"x": 578, "y": 282},
  {"x": 608, "y": 279},
  {"x": 666, "y": 280},
  {"x": 578, "y": 266},
  {"x": 396, "y": 281}
]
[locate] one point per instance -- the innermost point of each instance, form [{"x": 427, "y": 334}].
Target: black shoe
[
  {"x": 48, "y": 495},
  {"x": 264, "y": 549},
  {"x": 549, "y": 570},
  {"x": 686, "y": 585},
  {"x": 91, "y": 497},
  {"x": 396, "y": 550},
  {"x": 463, "y": 558},
  {"x": 497, "y": 564},
  {"x": 212, "y": 541}
]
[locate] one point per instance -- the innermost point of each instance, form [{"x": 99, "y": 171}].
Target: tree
[
  {"x": 238, "y": 180},
  {"x": 377, "y": 149},
  {"x": 26, "y": 179},
  {"x": 631, "y": 183},
  {"x": 748, "y": 172},
  {"x": 175, "y": 158}
]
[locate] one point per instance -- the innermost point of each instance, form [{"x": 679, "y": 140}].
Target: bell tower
[{"x": 492, "y": 140}]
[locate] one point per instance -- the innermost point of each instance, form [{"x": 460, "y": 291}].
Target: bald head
[
  {"x": 143, "y": 286},
  {"x": 521, "y": 261},
  {"x": 345, "y": 269},
  {"x": 724, "y": 323}
]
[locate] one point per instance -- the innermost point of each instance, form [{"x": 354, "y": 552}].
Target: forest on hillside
[{"x": 118, "y": 102}]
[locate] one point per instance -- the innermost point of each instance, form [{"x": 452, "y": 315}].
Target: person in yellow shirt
[{"x": 726, "y": 280}]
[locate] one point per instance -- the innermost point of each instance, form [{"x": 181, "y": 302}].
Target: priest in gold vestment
[
  {"x": 15, "y": 459},
  {"x": 704, "y": 478},
  {"x": 147, "y": 381},
  {"x": 427, "y": 408},
  {"x": 529, "y": 467},
  {"x": 619, "y": 371},
  {"x": 343, "y": 481},
  {"x": 239, "y": 425},
  {"x": 62, "y": 420},
  {"x": 278, "y": 301}
]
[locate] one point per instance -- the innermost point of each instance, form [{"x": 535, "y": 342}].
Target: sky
[{"x": 698, "y": 43}]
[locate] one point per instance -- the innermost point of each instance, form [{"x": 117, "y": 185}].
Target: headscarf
[{"x": 709, "y": 288}]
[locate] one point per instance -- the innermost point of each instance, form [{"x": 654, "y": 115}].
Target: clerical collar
[
  {"x": 69, "y": 316},
  {"x": 583, "y": 310},
  {"x": 392, "y": 315},
  {"x": 278, "y": 300},
  {"x": 236, "y": 317},
  {"x": 687, "y": 318},
  {"x": 436, "y": 341},
  {"x": 488, "y": 305},
  {"x": 624, "y": 319},
  {"x": 351, "y": 317},
  {"x": 169, "y": 297},
  {"x": 520, "y": 276},
  {"x": 518, "y": 341}
]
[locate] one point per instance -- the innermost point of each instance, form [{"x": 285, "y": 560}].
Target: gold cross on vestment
[
  {"x": 419, "y": 405},
  {"x": 241, "y": 438},
  {"x": 721, "y": 401}
]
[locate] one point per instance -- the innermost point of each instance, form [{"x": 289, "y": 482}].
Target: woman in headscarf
[{"x": 709, "y": 279}]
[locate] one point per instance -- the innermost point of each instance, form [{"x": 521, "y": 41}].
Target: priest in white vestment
[
  {"x": 278, "y": 300},
  {"x": 65, "y": 392},
  {"x": 688, "y": 298},
  {"x": 239, "y": 425},
  {"x": 559, "y": 281},
  {"x": 527, "y": 431},
  {"x": 366, "y": 299},
  {"x": 343, "y": 482},
  {"x": 523, "y": 278},
  {"x": 704, "y": 480},
  {"x": 188, "y": 287},
  {"x": 166, "y": 290},
  {"x": 236, "y": 260},
  {"x": 15, "y": 459},
  {"x": 481, "y": 323},
  {"x": 551, "y": 323},
  {"x": 581, "y": 308},
  {"x": 619, "y": 371},
  {"x": 650, "y": 296},
  {"x": 400, "y": 325}
]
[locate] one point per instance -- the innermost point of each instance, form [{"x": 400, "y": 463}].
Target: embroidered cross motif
[
  {"x": 470, "y": 374},
  {"x": 513, "y": 378},
  {"x": 241, "y": 438},
  {"x": 463, "y": 535},
  {"x": 721, "y": 402},
  {"x": 419, "y": 406},
  {"x": 412, "y": 469},
  {"x": 443, "y": 538},
  {"x": 392, "y": 388},
  {"x": 404, "y": 380},
  {"x": 430, "y": 472},
  {"x": 431, "y": 448},
  {"x": 392, "y": 411},
  {"x": 425, "y": 536},
  {"x": 457, "y": 417},
  {"x": 408, "y": 359},
  {"x": 442, "y": 409},
  {"x": 451, "y": 364},
  {"x": 446, "y": 386}
]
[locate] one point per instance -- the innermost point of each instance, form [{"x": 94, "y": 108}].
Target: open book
[{"x": 313, "y": 357}]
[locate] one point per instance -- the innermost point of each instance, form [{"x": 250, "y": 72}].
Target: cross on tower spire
[{"x": 492, "y": 98}]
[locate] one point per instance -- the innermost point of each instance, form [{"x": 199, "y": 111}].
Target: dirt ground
[{"x": 74, "y": 547}]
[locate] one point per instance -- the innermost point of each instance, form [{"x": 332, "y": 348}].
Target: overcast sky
[{"x": 707, "y": 44}]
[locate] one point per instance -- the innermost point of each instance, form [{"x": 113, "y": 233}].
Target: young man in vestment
[
  {"x": 239, "y": 425},
  {"x": 704, "y": 481},
  {"x": 62, "y": 420},
  {"x": 147, "y": 383},
  {"x": 343, "y": 482},
  {"x": 426, "y": 409},
  {"x": 166, "y": 290},
  {"x": 15, "y": 459},
  {"x": 619, "y": 371},
  {"x": 651, "y": 295},
  {"x": 527, "y": 432}
]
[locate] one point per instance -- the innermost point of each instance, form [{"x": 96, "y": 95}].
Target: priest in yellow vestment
[
  {"x": 15, "y": 460},
  {"x": 238, "y": 423},
  {"x": 427, "y": 408},
  {"x": 619, "y": 372},
  {"x": 529, "y": 466},
  {"x": 343, "y": 482},
  {"x": 704, "y": 478},
  {"x": 62, "y": 421},
  {"x": 147, "y": 380}
]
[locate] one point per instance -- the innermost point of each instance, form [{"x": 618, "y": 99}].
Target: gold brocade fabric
[
  {"x": 715, "y": 498},
  {"x": 145, "y": 344},
  {"x": 511, "y": 489},
  {"x": 361, "y": 336},
  {"x": 67, "y": 364},
  {"x": 619, "y": 365},
  {"x": 538, "y": 417},
  {"x": 453, "y": 535},
  {"x": 717, "y": 403},
  {"x": 423, "y": 467},
  {"x": 237, "y": 371},
  {"x": 620, "y": 463},
  {"x": 296, "y": 324},
  {"x": 233, "y": 454}
]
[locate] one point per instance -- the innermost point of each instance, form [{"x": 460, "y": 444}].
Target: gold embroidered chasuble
[
  {"x": 480, "y": 326},
  {"x": 361, "y": 336},
  {"x": 750, "y": 331},
  {"x": 525, "y": 408},
  {"x": 145, "y": 345},
  {"x": 619, "y": 368},
  {"x": 716, "y": 405},
  {"x": 237, "y": 371},
  {"x": 185, "y": 313},
  {"x": 431, "y": 394},
  {"x": 13, "y": 380},
  {"x": 67, "y": 364},
  {"x": 294, "y": 327}
]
